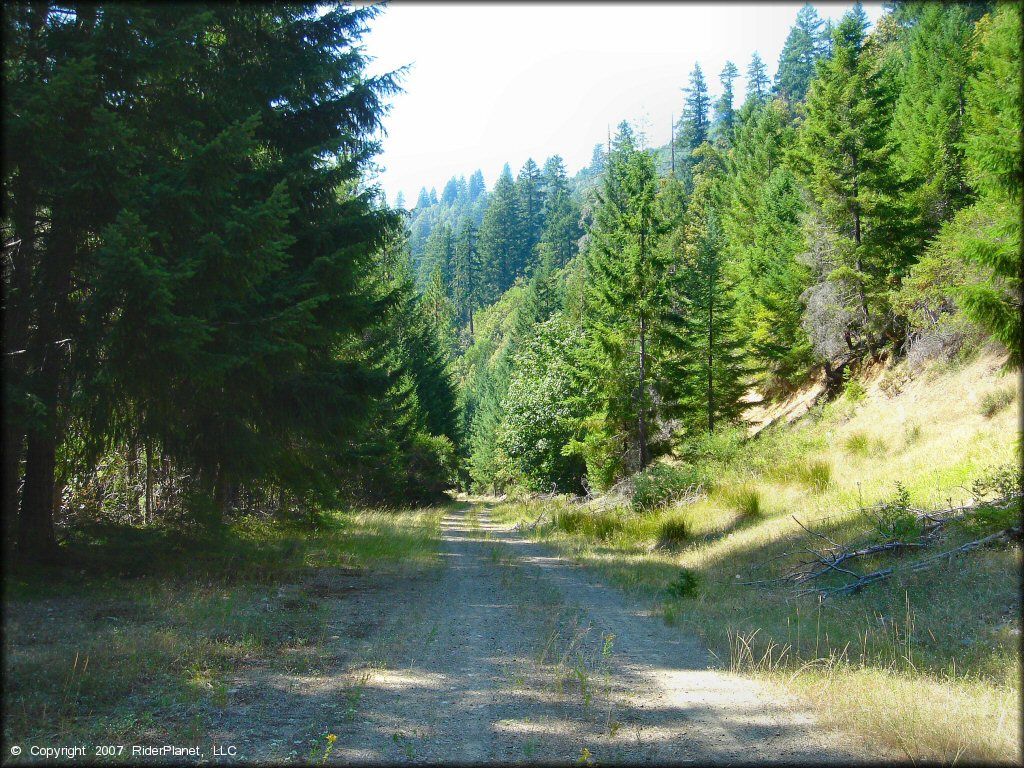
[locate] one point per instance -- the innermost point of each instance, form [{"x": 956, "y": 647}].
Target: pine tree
[
  {"x": 499, "y": 239},
  {"x": 757, "y": 80},
  {"x": 703, "y": 374},
  {"x": 476, "y": 185},
  {"x": 530, "y": 205},
  {"x": 725, "y": 116},
  {"x": 929, "y": 116},
  {"x": 562, "y": 229},
  {"x": 694, "y": 124},
  {"x": 988, "y": 233},
  {"x": 800, "y": 53},
  {"x": 466, "y": 279},
  {"x": 626, "y": 277},
  {"x": 846, "y": 160}
]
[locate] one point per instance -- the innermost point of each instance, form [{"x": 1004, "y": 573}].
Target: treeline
[
  {"x": 205, "y": 307},
  {"x": 865, "y": 203}
]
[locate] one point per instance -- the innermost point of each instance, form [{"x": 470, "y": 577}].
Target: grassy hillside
[{"x": 926, "y": 661}]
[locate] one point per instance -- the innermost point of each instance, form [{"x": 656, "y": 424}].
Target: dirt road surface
[{"x": 511, "y": 654}]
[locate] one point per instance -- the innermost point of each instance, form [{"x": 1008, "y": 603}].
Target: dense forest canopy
[{"x": 208, "y": 308}]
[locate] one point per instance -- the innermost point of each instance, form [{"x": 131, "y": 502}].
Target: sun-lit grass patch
[
  {"x": 129, "y": 643},
  {"x": 959, "y": 623}
]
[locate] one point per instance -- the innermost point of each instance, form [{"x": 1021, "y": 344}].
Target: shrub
[
  {"x": 685, "y": 583},
  {"x": 895, "y": 519},
  {"x": 661, "y": 484},
  {"x": 431, "y": 467},
  {"x": 995, "y": 401},
  {"x": 673, "y": 531},
  {"x": 854, "y": 391}
]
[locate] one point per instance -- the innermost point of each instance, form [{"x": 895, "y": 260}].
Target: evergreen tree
[
  {"x": 499, "y": 238},
  {"x": 561, "y": 216},
  {"x": 626, "y": 278},
  {"x": 694, "y": 125},
  {"x": 800, "y": 53},
  {"x": 450, "y": 192},
  {"x": 929, "y": 116},
  {"x": 846, "y": 159},
  {"x": 530, "y": 206},
  {"x": 757, "y": 80},
  {"x": 466, "y": 279},
  {"x": 703, "y": 372},
  {"x": 725, "y": 116},
  {"x": 476, "y": 185},
  {"x": 439, "y": 254}
]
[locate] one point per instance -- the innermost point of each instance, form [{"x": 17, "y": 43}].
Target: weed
[
  {"x": 673, "y": 531},
  {"x": 584, "y": 758},
  {"x": 994, "y": 401},
  {"x": 858, "y": 444},
  {"x": 314, "y": 753},
  {"x": 685, "y": 584}
]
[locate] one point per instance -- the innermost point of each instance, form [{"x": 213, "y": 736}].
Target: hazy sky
[{"x": 496, "y": 83}]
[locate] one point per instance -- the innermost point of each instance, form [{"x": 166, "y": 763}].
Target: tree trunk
[
  {"x": 711, "y": 356},
  {"x": 642, "y": 415},
  {"x": 149, "y": 481}
]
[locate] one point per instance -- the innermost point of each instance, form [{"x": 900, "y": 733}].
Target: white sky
[{"x": 496, "y": 83}]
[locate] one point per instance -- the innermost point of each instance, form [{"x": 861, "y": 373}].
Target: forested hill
[
  {"x": 209, "y": 309},
  {"x": 861, "y": 205}
]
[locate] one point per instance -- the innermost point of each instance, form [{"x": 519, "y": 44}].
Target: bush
[
  {"x": 673, "y": 531},
  {"x": 854, "y": 391},
  {"x": 895, "y": 519},
  {"x": 431, "y": 467},
  {"x": 661, "y": 484},
  {"x": 685, "y": 584},
  {"x": 594, "y": 525},
  {"x": 995, "y": 401}
]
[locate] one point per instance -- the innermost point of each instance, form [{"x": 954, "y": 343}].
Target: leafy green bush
[
  {"x": 673, "y": 531},
  {"x": 431, "y": 467},
  {"x": 661, "y": 484},
  {"x": 995, "y": 401},
  {"x": 685, "y": 584},
  {"x": 854, "y": 391},
  {"x": 895, "y": 519}
]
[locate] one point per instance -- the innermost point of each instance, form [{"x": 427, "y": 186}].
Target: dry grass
[
  {"x": 927, "y": 663},
  {"x": 129, "y": 645}
]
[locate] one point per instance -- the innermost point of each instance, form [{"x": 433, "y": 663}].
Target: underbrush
[
  {"x": 138, "y": 635},
  {"x": 926, "y": 663}
]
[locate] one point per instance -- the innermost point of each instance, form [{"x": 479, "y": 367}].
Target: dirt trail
[{"x": 512, "y": 654}]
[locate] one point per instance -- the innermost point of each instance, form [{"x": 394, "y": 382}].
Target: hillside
[{"x": 926, "y": 662}]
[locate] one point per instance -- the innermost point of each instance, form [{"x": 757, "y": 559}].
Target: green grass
[
  {"x": 125, "y": 643},
  {"x": 946, "y": 640}
]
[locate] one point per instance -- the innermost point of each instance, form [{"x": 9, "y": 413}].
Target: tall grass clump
[
  {"x": 993, "y": 402},
  {"x": 662, "y": 484},
  {"x": 745, "y": 499},
  {"x": 673, "y": 531},
  {"x": 596, "y": 525}
]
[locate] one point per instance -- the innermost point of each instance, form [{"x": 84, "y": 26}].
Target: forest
[
  {"x": 296, "y": 472},
  {"x": 208, "y": 309}
]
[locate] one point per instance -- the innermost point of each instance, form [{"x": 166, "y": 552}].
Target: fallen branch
[{"x": 876, "y": 576}]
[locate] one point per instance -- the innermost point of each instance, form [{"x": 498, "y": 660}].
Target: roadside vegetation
[
  {"x": 927, "y": 662},
  {"x": 139, "y": 638}
]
